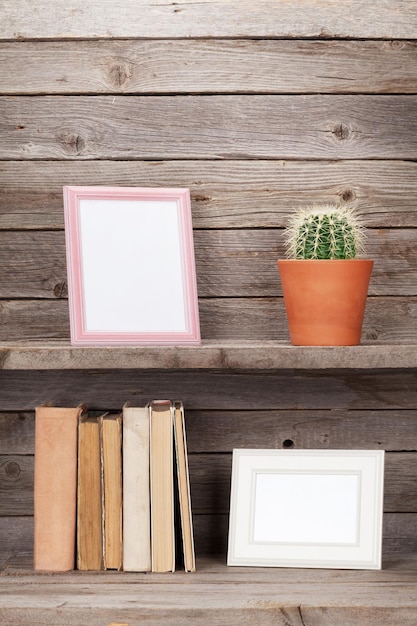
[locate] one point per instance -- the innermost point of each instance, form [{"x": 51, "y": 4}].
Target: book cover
[
  {"x": 136, "y": 490},
  {"x": 162, "y": 487},
  {"x": 183, "y": 481},
  {"x": 111, "y": 489},
  {"x": 55, "y": 487},
  {"x": 89, "y": 498}
]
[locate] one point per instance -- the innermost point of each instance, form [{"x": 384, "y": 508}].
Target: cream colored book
[
  {"x": 111, "y": 489},
  {"x": 183, "y": 482},
  {"x": 136, "y": 490},
  {"x": 89, "y": 501},
  {"x": 55, "y": 487},
  {"x": 162, "y": 487}
]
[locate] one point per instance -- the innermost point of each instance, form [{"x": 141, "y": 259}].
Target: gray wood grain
[
  {"x": 211, "y": 431},
  {"x": 228, "y": 194},
  {"x": 109, "y": 389},
  {"x": 387, "y": 320},
  {"x": 16, "y": 538},
  {"x": 222, "y": 431},
  {"x": 210, "y": 532},
  {"x": 208, "y": 356},
  {"x": 229, "y": 263},
  {"x": 216, "y": 127},
  {"x": 237, "y": 18},
  {"x": 278, "y": 597},
  {"x": 17, "y": 433},
  {"x": 207, "y": 66},
  {"x": 210, "y": 478}
]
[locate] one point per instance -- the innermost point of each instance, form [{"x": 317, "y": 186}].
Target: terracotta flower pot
[{"x": 325, "y": 300}]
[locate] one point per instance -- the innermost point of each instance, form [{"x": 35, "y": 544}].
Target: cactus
[{"x": 324, "y": 232}]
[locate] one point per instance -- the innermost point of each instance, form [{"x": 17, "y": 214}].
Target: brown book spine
[
  {"x": 89, "y": 499},
  {"x": 55, "y": 487},
  {"x": 111, "y": 474}
]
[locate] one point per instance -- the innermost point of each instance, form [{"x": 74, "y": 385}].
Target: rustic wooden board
[
  {"x": 229, "y": 194},
  {"x": 293, "y": 389},
  {"x": 402, "y": 568},
  {"x": 208, "y": 356},
  {"x": 236, "y": 18},
  {"x": 387, "y": 320},
  {"x": 210, "y": 477},
  {"x": 240, "y": 604},
  {"x": 221, "y": 431},
  {"x": 16, "y": 538},
  {"x": 17, "y": 432},
  {"x": 215, "y": 594},
  {"x": 216, "y": 127},
  {"x": 16, "y": 485},
  {"x": 229, "y": 263},
  {"x": 218, "y": 66},
  {"x": 211, "y": 531},
  {"x": 399, "y": 534},
  {"x": 211, "y": 431}
]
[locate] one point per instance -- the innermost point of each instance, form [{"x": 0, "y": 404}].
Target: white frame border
[{"x": 366, "y": 554}]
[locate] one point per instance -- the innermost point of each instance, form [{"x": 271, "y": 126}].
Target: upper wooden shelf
[{"x": 210, "y": 355}]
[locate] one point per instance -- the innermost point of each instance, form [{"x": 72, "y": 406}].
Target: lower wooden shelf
[{"x": 215, "y": 594}]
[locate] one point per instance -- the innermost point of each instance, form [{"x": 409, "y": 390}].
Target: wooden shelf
[
  {"x": 215, "y": 594},
  {"x": 210, "y": 355}
]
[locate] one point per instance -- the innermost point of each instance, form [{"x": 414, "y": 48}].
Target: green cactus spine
[{"x": 324, "y": 232}]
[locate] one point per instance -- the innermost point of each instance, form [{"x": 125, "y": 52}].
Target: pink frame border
[{"x": 79, "y": 335}]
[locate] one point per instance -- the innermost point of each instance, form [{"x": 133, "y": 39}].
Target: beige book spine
[
  {"x": 55, "y": 487},
  {"x": 136, "y": 496},
  {"x": 184, "y": 488}
]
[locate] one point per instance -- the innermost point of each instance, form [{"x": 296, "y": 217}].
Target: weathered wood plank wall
[{"x": 257, "y": 108}]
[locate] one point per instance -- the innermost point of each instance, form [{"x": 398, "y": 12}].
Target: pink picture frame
[{"x": 130, "y": 265}]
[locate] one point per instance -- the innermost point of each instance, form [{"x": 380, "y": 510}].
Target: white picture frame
[
  {"x": 130, "y": 265},
  {"x": 306, "y": 508}
]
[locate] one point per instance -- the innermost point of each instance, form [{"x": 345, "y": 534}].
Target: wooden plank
[
  {"x": 208, "y": 431},
  {"x": 230, "y": 194},
  {"x": 242, "y": 66},
  {"x": 242, "y": 263},
  {"x": 399, "y": 534},
  {"x": 222, "y": 431},
  {"x": 399, "y": 538},
  {"x": 16, "y": 485},
  {"x": 229, "y": 263},
  {"x": 108, "y": 389},
  {"x": 387, "y": 320},
  {"x": 236, "y": 18},
  {"x": 16, "y": 538},
  {"x": 216, "y": 127},
  {"x": 17, "y": 431},
  {"x": 241, "y": 605},
  {"x": 230, "y": 356},
  {"x": 215, "y": 595},
  {"x": 210, "y": 477},
  {"x": 400, "y": 569}
]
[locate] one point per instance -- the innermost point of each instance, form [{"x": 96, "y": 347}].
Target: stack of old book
[{"x": 111, "y": 491}]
